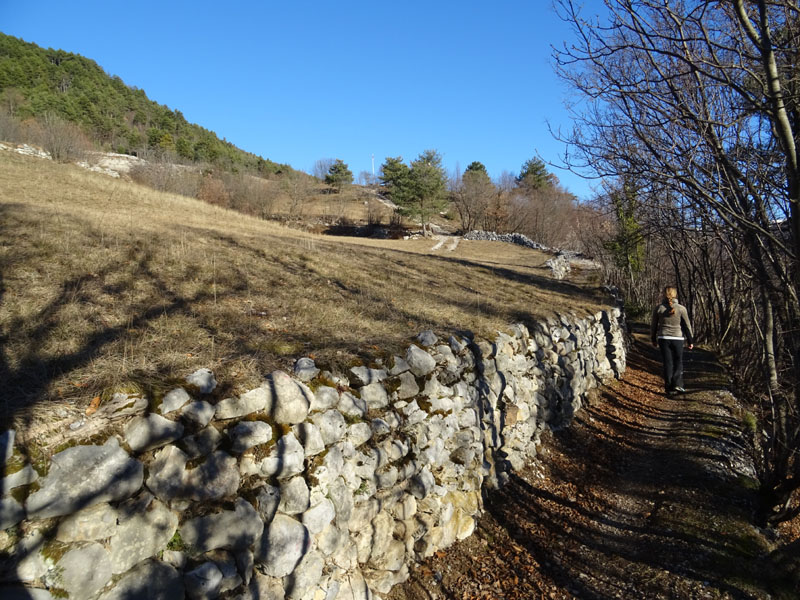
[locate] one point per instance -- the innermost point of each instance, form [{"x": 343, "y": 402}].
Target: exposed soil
[{"x": 643, "y": 496}]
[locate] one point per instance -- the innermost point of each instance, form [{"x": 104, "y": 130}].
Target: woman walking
[{"x": 669, "y": 328}]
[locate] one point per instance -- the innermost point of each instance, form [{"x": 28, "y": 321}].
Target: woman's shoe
[{"x": 680, "y": 390}]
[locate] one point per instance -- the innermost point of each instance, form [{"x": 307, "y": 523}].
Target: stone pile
[
  {"x": 511, "y": 238},
  {"x": 313, "y": 485}
]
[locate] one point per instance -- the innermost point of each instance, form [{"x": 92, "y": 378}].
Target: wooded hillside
[{"x": 36, "y": 81}]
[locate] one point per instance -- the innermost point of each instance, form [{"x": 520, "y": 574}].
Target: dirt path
[{"x": 642, "y": 497}]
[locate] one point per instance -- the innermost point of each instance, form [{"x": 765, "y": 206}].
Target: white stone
[
  {"x": 152, "y": 431},
  {"x": 199, "y": 412},
  {"x": 351, "y": 406},
  {"x": 268, "y": 499},
  {"x": 305, "y": 369},
  {"x": 318, "y": 517},
  {"x": 288, "y": 400},
  {"x": 236, "y": 529},
  {"x": 247, "y": 434},
  {"x": 420, "y": 362},
  {"x": 283, "y": 544},
  {"x": 362, "y": 376},
  {"x": 324, "y": 398},
  {"x": 294, "y": 496},
  {"x": 84, "y": 571},
  {"x": 331, "y": 424},
  {"x": 308, "y": 434},
  {"x": 285, "y": 459},
  {"x": 203, "y": 380},
  {"x": 82, "y": 476},
  {"x": 94, "y": 523},
  {"x": 142, "y": 535},
  {"x": 305, "y": 577},
  {"x": 174, "y": 400},
  {"x": 374, "y": 394},
  {"x": 250, "y": 402},
  {"x": 203, "y": 582},
  {"x": 151, "y": 580},
  {"x": 359, "y": 433}
]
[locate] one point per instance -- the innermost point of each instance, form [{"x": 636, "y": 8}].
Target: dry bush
[
  {"x": 213, "y": 191},
  {"x": 63, "y": 140},
  {"x": 250, "y": 194},
  {"x": 167, "y": 177},
  {"x": 11, "y": 129}
]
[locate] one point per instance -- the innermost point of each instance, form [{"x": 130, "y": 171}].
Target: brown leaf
[{"x": 93, "y": 406}]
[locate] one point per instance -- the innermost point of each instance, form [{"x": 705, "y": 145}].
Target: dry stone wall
[{"x": 313, "y": 485}]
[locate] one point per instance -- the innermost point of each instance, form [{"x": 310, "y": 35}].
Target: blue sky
[{"x": 299, "y": 81}]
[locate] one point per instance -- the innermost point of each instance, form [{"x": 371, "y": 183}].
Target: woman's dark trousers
[{"x": 672, "y": 357}]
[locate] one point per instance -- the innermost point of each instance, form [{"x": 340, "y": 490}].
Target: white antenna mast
[{"x": 373, "y": 165}]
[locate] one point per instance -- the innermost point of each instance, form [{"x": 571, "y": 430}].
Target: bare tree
[
  {"x": 699, "y": 102},
  {"x": 322, "y": 167}
]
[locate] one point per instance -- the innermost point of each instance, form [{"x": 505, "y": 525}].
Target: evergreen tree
[
  {"x": 533, "y": 175},
  {"x": 339, "y": 175},
  {"x": 429, "y": 186},
  {"x": 395, "y": 177}
]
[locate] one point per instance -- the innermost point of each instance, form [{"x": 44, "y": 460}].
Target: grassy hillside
[
  {"x": 109, "y": 285},
  {"x": 36, "y": 81}
]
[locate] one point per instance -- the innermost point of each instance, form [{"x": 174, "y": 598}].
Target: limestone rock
[
  {"x": 174, "y": 400},
  {"x": 408, "y": 386},
  {"x": 151, "y": 580},
  {"x": 427, "y": 338},
  {"x": 121, "y": 406},
  {"x": 305, "y": 369},
  {"x": 94, "y": 523},
  {"x": 246, "y": 434},
  {"x": 283, "y": 544},
  {"x": 294, "y": 496},
  {"x": 308, "y": 434},
  {"x": 199, "y": 412},
  {"x": 217, "y": 477},
  {"x": 285, "y": 459},
  {"x": 400, "y": 366},
  {"x": 289, "y": 400},
  {"x": 364, "y": 375},
  {"x": 141, "y": 535},
  {"x": 83, "y": 476},
  {"x": 268, "y": 499},
  {"x": 263, "y": 587},
  {"x": 236, "y": 529},
  {"x": 352, "y": 406},
  {"x": 203, "y": 380},
  {"x": 374, "y": 394},
  {"x": 11, "y": 512},
  {"x": 203, "y": 582},
  {"x": 359, "y": 433},
  {"x": 26, "y": 475},
  {"x": 318, "y": 517},
  {"x": 152, "y": 431},
  {"x": 202, "y": 443},
  {"x": 331, "y": 424},
  {"x": 420, "y": 362},
  {"x": 324, "y": 398},
  {"x": 84, "y": 571},
  {"x": 250, "y": 402},
  {"x": 306, "y": 576}
]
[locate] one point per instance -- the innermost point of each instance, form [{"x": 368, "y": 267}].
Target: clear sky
[{"x": 297, "y": 81}]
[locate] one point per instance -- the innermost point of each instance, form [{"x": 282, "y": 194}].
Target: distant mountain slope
[{"x": 35, "y": 81}]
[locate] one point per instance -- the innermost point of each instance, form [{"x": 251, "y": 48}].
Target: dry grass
[{"x": 109, "y": 285}]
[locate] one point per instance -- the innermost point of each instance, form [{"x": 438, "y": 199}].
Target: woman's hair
[{"x": 671, "y": 293}]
